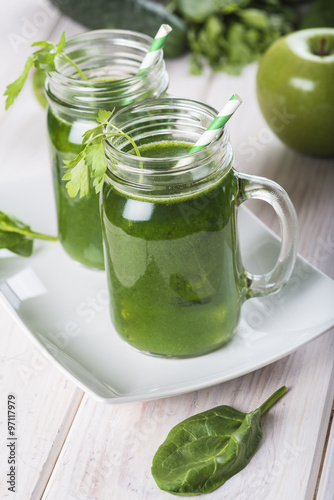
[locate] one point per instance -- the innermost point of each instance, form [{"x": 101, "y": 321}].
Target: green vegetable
[
  {"x": 17, "y": 236},
  {"x": 43, "y": 59},
  {"x": 231, "y": 33},
  {"x": 320, "y": 14},
  {"x": 204, "y": 451},
  {"x": 144, "y": 16},
  {"x": 90, "y": 165}
]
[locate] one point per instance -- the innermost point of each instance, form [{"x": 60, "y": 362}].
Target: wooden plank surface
[
  {"x": 121, "y": 447},
  {"x": 46, "y": 401},
  {"x": 110, "y": 449},
  {"x": 80, "y": 449},
  {"x": 326, "y": 483}
]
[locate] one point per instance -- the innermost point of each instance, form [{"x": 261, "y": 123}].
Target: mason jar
[
  {"x": 175, "y": 274},
  {"x": 110, "y": 60}
]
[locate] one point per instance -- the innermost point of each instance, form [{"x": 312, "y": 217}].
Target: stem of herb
[
  {"x": 135, "y": 147},
  {"x": 127, "y": 137},
  {"x": 32, "y": 234},
  {"x": 273, "y": 399},
  {"x": 119, "y": 134},
  {"x": 42, "y": 236},
  {"x": 69, "y": 60}
]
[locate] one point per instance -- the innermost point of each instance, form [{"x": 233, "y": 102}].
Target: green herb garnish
[
  {"x": 17, "y": 236},
  {"x": 90, "y": 165},
  {"x": 204, "y": 451},
  {"x": 44, "y": 59}
]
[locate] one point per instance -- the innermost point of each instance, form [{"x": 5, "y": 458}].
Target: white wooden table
[{"x": 71, "y": 447}]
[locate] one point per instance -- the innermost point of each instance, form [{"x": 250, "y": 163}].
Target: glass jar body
[
  {"x": 110, "y": 59},
  {"x": 176, "y": 280},
  {"x": 169, "y": 219},
  {"x": 79, "y": 226}
]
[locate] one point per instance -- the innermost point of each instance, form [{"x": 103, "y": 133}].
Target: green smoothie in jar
[
  {"x": 169, "y": 217},
  {"x": 110, "y": 60},
  {"x": 169, "y": 261}
]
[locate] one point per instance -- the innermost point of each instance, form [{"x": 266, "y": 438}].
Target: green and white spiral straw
[
  {"x": 157, "y": 44},
  {"x": 217, "y": 124}
]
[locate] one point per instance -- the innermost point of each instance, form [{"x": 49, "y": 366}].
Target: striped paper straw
[
  {"x": 157, "y": 44},
  {"x": 217, "y": 124}
]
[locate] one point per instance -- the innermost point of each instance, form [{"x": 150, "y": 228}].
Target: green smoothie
[
  {"x": 79, "y": 225},
  {"x": 173, "y": 264}
]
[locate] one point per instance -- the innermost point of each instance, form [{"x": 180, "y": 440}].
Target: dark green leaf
[
  {"x": 24, "y": 247},
  {"x": 320, "y": 14},
  {"x": 17, "y": 236},
  {"x": 16, "y": 243},
  {"x": 204, "y": 451}
]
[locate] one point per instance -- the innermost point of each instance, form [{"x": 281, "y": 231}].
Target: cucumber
[{"x": 144, "y": 16}]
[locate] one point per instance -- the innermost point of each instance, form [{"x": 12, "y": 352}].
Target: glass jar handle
[{"x": 253, "y": 187}]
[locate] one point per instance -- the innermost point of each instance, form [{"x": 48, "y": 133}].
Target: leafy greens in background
[
  {"x": 321, "y": 13},
  {"x": 226, "y": 33},
  {"x": 17, "y": 236},
  {"x": 204, "y": 451},
  {"x": 231, "y": 33}
]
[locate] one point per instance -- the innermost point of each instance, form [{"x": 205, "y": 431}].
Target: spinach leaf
[
  {"x": 204, "y": 451},
  {"x": 17, "y": 236}
]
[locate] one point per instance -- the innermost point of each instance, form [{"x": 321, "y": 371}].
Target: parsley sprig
[
  {"x": 44, "y": 58},
  {"x": 88, "y": 168}
]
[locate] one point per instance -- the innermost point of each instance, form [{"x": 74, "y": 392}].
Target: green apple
[{"x": 295, "y": 90}]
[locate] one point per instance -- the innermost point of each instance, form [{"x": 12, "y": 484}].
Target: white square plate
[{"x": 63, "y": 307}]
